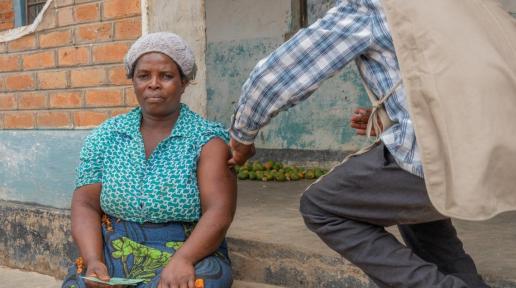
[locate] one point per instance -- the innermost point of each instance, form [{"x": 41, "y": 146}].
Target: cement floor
[{"x": 268, "y": 212}]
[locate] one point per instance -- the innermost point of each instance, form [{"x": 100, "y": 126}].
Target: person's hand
[
  {"x": 359, "y": 121},
  {"x": 178, "y": 273},
  {"x": 240, "y": 152},
  {"x": 98, "y": 270}
]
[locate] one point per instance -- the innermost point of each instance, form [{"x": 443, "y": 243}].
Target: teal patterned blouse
[{"x": 159, "y": 189}]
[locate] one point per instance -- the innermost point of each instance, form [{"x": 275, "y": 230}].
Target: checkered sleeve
[{"x": 296, "y": 69}]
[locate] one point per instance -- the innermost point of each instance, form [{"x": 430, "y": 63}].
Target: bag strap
[{"x": 378, "y": 111}]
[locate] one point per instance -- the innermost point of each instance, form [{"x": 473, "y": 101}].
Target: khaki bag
[{"x": 458, "y": 65}]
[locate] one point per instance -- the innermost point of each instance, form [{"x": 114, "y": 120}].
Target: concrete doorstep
[
  {"x": 14, "y": 278},
  {"x": 268, "y": 242}
]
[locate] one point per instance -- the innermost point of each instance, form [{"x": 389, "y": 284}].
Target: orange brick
[
  {"x": 61, "y": 3},
  {"x": 9, "y": 63},
  {"x": 6, "y": 5},
  {"x": 109, "y": 53},
  {"x": 88, "y": 119},
  {"x": 55, "y": 39},
  {"x": 87, "y": 12},
  {"x": 7, "y": 16},
  {"x": 25, "y": 43},
  {"x": 119, "y": 111},
  {"x": 39, "y": 60},
  {"x": 130, "y": 97},
  {"x": 53, "y": 119},
  {"x": 33, "y": 100},
  {"x": 19, "y": 120},
  {"x": 87, "y": 77},
  {"x": 65, "y": 16},
  {"x": 1, "y": 120},
  {"x": 19, "y": 82},
  {"x": 7, "y": 101},
  {"x": 128, "y": 29},
  {"x": 52, "y": 80},
  {"x": 65, "y": 99},
  {"x": 73, "y": 56},
  {"x": 121, "y": 8},
  {"x": 49, "y": 20},
  {"x": 6, "y": 25},
  {"x": 2, "y": 84},
  {"x": 93, "y": 33},
  {"x": 117, "y": 76},
  {"x": 103, "y": 98}
]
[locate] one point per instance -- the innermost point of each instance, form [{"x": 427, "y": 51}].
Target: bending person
[{"x": 349, "y": 207}]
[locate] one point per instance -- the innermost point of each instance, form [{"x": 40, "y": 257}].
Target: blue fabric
[
  {"x": 140, "y": 251},
  {"x": 352, "y": 30},
  {"x": 159, "y": 189}
]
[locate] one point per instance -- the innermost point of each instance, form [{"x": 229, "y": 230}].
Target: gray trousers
[{"x": 349, "y": 208}]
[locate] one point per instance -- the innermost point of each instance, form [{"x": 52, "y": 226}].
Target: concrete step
[
  {"x": 14, "y": 278},
  {"x": 245, "y": 284},
  {"x": 268, "y": 242}
]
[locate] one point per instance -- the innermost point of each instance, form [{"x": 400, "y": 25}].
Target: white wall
[
  {"x": 187, "y": 19},
  {"x": 246, "y": 19}
]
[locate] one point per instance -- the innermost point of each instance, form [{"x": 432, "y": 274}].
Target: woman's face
[{"x": 158, "y": 85}]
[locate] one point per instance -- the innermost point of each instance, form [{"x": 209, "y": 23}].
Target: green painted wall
[
  {"x": 319, "y": 123},
  {"x": 38, "y": 166}
]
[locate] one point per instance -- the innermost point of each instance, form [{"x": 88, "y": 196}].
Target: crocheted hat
[{"x": 167, "y": 43}]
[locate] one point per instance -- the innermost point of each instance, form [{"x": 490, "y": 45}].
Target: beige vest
[{"x": 458, "y": 65}]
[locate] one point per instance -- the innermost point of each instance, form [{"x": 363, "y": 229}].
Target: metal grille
[{"x": 33, "y": 7}]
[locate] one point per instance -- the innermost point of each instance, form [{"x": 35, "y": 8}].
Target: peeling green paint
[
  {"x": 38, "y": 166},
  {"x": 319, "y": 123}
]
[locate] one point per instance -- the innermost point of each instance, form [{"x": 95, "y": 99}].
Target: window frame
[{"x": 299, "y": 11}]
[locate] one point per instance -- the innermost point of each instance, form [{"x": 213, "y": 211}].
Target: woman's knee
[{"x": 215, "y": 271}]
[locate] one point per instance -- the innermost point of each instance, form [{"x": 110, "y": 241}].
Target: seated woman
[{"x": 154, "y": 196}]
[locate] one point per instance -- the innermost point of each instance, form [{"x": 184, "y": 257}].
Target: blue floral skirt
[{"x": 141, "y": 251}]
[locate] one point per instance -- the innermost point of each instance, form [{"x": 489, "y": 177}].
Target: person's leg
[
  {"x": 215, "y": 271},
  {"x": 437, "y": 242},
  {"x": 349, "y": 207}
]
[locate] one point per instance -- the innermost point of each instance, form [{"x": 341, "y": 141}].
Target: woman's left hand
[{"x": 179, "y": 273}]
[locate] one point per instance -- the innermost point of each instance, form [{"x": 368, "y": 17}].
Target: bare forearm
[
  {"x": 86, "y": 230},
  {"x": 206, "y": 237}
]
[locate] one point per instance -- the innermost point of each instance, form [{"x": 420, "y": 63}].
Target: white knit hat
[{"x": 167, "y": 43}]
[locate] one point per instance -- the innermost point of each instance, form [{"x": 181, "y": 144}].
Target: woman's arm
[
  {"x": 87, "y": 231},
  {"x": 217, "y": 186}
]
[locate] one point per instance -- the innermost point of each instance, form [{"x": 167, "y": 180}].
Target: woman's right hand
[{"x": 98, "y": 270}]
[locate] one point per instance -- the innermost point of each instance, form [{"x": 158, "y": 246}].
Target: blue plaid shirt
[{"x": 352, "y": 30}]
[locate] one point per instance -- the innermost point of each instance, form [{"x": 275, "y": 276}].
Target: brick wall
[
  {"x": 69, "y": 73},
  {"x": 6, "y": 14}
]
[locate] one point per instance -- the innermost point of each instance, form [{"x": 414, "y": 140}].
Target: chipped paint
[
  {"x": 38, "y": 166},
  {"x": 320, "y": 123},
  {"x": 187, "y": 19}
]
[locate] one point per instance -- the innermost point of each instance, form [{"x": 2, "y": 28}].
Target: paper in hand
[{"x": 114, "y": 281}]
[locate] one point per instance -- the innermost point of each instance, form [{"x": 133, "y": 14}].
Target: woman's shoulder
[{"x": 202, "y": 127}]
